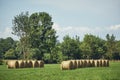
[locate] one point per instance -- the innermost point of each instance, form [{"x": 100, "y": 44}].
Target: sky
[{"x": 70, "y": 17}]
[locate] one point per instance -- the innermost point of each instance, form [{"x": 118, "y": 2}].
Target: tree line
[{"x": 38, "y": 40}]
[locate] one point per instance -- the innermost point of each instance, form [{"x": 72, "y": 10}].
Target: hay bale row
[
  {"x": 95, "y": 63},
  {"x": 85, "y": 63},
  {"x": 101, "y": 63},
  {"x": 73, "y": 64},
  {"x": 25, "y": 64}
]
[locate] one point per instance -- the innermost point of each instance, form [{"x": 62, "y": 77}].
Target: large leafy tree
[
  {"x": 21, "y": 28},
  {"x": 44, "y": 36},
  {"x": 35, "y": 32}
]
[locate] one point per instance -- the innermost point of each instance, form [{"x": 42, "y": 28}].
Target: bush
[
  {"x": 47, "y": 58},
  {"x": 1, "y": 62}
]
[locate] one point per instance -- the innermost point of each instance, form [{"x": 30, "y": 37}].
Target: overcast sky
[{"x": 70, "y": 17}]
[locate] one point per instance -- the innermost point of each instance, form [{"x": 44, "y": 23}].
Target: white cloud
[
  {"x": 115, "y": 27},
  {"x": 82, "y": 30},
  {"x": 7, "y": 33}
]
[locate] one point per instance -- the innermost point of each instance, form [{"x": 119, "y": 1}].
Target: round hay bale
[
  {"x": 21, "y": 63},
  {"x": 107, "y": 63},
  {"x": 96, "y": 63},
  {"x": 66, "y": 65},
  {"x": 26, "y": 64},
  {"x": 35, "y": 64},
  {"x": 13, "y": 64},
  {"x": 30, "y": 64},
  {"x": 103, "y": 63},
  {"x": 88, "y": 63},
  {"x": 41, "y": 63},
  {"x": 74, "y": 64},
  {"x": 84, "y": 63},
  {"x": 92, "y": 64},
  {"x": 100, "y": 63},
  {"x": 78, "y": 63},
  {"x": 81, "y": 63}
]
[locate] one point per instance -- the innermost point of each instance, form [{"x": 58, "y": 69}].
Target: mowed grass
[{"x": 53, "y": 72}]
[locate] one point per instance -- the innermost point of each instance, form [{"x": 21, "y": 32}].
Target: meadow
[{"x": 53, "y": 72}]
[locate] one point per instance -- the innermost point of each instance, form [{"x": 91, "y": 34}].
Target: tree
[
  {"x": 111, "y": 46},
  {"x": 92, "y": 47},
  {"x": 1, "y": 48},
  {"x": 55, "y": 55},
  {"x": 5, "y": 45},
  {"x": 35, "y": 31},
  {"x": 44, "y": 36},
  {"x": 116, "y": 55},
  {"x": 21, "y": 29},
  {"x": 70, "y": 48},
  {"x": 85, "y": 50}
]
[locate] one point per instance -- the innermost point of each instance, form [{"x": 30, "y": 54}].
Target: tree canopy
[{"x": 35, "y": 32}]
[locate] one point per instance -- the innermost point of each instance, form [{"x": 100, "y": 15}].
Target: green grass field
[{"x": 53, "y": 72}]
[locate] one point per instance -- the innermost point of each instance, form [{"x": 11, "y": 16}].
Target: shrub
[{"x": 1, "y": 62}]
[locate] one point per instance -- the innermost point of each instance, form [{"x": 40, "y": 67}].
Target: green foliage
[
  {"x": 55, "y": 56},
  {"x": 21, "y": 28},
  {"x": 60, "y": 57},
  {"x": 70, "y": 48},
  {"x": 47, "y": 58},
  {"x": 116, "y": 55},
  {"x": 86, "y": 51},
  {"x": 18, "y": 50},
  {"x": 111, "y": 46},
  {"x": 1, "y": 62},
  {"x": 44, "y": 36},
  {"x": 92, "y": 47},
  {"x": 35, "y": 31},
  {"x": 34, "y": 53},
  {"x": 53, "y": 72},
  {"x": 5, "y": 45},
  {"x": 10, "y": 54}
]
